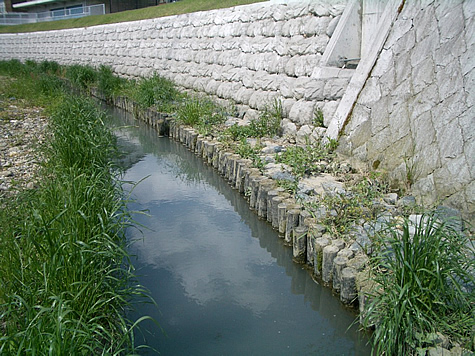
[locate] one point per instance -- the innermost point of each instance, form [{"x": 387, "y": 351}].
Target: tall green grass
[
  {"x": 65, "y": 274},
  {"x": 109, "y": 84},
  {"x": 425, "y": 273},
  {"x": 36, "y": 83},
  {"x": 157, "y": 92},
  {"x": 202, "y": 113},
  {"x": 81, "y": 76}
]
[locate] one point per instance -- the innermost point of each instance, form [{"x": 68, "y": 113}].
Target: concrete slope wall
[
  {"x": 250, "y": 54},
  {"x": 415, "y": 115}
]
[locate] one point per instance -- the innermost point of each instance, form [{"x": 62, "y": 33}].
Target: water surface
[{"x": 224, "y": 282}]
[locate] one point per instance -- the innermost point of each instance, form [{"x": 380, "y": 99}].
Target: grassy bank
[
  {"x": 64, "y": 269},
  {"x": 177, "y": 8},
  {"x": 424, "y": 270}
]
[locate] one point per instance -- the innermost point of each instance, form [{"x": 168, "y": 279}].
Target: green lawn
[{"x": 180, "y": 7}]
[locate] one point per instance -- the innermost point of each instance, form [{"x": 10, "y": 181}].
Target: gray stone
[
  {"x": 371, "y": 92},
  {"x": 451, "y": 21},
  {"x": 426, "y": 22},
  {"x": 384, "y": 62},
  {"x": 425, "y": 48},
  {"x": 333, "y": 188},
  {"x": 288, "y": 128},
  {"x": 328, "y": 110},
  {"x": 302, "y": 112},
  {"x": 362, "y": 242},
  {"x": 438, "y": 351},
  {"x": 453, "y": 176},
  {"x": 450, "y": 79},
  {"x": 391, "y": 198},
  {"x": 452, "y": 217},
  {"x": 313, "y": 90},
  {"x": 401, "y": 27},
  {"x": 303, "y": 134},
  {"x": 449, "y": 140},
  {"x": 449, "y": 109},
  {"x": 423, "y": 75}
]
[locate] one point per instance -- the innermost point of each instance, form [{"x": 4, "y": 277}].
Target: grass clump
[
  {"x": 248, "y": 151},
  {"x": 35, "y": 83},
  {"x": 202, "y": 113},
  {"x": 65, "y": 275},
  {"x": 426, "y": 277},
  {"x": 305, "y": 160},
  {"x": 82, "y": 76},
  {"x": 354, "y": 205},
  {"x": 266, "y": 125},
  {"x": 109, "y": 84},
  {"x": 157, "y": 92}
]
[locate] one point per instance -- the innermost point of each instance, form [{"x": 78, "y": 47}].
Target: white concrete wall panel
[
  {"x": 249, "y": 54},
  {"x": 415, "y": 115}
]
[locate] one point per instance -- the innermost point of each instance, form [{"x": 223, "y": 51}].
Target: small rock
[
  {"x": 6, "y": 173},
  {"x": 345, "y": 168},
  {"x": 390, "y": 198},
  {"x": 438, "y": 351},
  {"x": 333, "y": 188},
  {"x": 407, "y": 201}
]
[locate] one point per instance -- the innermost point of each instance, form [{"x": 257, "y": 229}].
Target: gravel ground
[{"x": 22, "y": 129}]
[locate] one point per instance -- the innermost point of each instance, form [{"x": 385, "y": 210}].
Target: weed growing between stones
[
  {"x": 157, "y": 92},
  {"x": 247, "y": 151},
  {"x": 318, "y": 118},
  {"x": 307, "y": 160},
  {"x": 266, "y": 125},
  {"x": 201, "y": 113},
  {"x": 425, "y": 273}
]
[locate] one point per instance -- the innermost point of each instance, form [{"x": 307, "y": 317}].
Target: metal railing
[{"x": 18, "y": 18}]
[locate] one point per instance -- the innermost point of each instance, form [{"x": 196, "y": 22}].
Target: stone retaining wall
[
  {"x": 415, "y": 116},
  {"x": 249, "y": 54}
]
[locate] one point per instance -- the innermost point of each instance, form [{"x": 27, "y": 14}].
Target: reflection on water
[{"x": 224, "y": 282}]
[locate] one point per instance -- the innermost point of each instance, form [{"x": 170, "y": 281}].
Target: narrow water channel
[{"x": 224, "y": 282}]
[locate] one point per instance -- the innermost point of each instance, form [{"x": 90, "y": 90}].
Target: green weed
[
  {"x": 201, "y": 113},
  {"x": 108, "y": 83},
  {"x": 81, "y": 76},
  {"x": 157, "y": 92},
  {"x": 245, "y": 150},
  {"x": 426, "y": 279},
  {"x": 65, "y": 272},
  {"x": 305, "y": 160},
  {"x": 318, "y": 117},
  {"x": 266, "y": 125}
]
